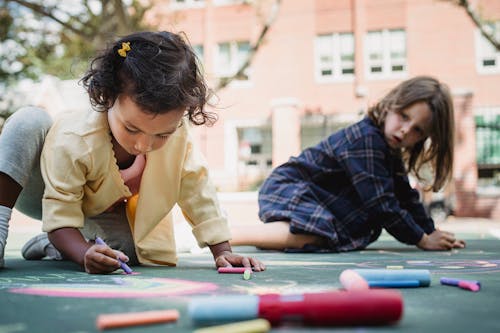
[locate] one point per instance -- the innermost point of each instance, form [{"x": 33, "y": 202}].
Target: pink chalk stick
[
  {"x": 469, "y": 286},
  {"x": 351, "y": 280},
  {"x": 232, "y": 270}
]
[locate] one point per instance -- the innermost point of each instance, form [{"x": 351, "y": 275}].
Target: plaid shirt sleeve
[
  {"x": 409, "y": 199},
  {"x": 367, "y": 161}
]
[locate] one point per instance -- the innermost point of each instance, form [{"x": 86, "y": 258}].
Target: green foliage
[{"x": 59, "y": 37}]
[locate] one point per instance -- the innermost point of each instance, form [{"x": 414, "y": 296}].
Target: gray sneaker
[{"x": 40, "y": 247}]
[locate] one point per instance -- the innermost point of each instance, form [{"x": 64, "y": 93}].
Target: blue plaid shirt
[{"x": 346, "y": 189}]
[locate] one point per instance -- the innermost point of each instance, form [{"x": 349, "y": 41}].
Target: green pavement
[{"x": 48, "y": 296}]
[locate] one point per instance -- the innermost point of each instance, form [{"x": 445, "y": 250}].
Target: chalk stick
[
  {"x": 249, "y": 326},
  {"x": 394, "y": 283},
  {"x": 423, "y": 276},
  {"x": 247, "y": 274},
  {"x": 115, "y": 320},
  {"x": 454, "y": 282},
  {"x": 351, "y": 280},
  {"x": 123, "y": 265},
  {"x": 232, "y": 270}
]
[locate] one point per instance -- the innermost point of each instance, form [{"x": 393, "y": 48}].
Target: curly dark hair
[{"x": 160, "y": 73}]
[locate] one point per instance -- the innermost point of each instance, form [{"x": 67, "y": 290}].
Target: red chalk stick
[
  {"x": 115, "y": 320},
  {"x": 233, "y": 270}
]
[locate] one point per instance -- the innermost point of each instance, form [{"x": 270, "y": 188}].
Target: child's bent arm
[
  {"x": 71, "y": 244},
  {"x": 93, "y": 258}
]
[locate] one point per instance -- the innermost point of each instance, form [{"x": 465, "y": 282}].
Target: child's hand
[
  {"x": 100, "y": 259},
  {"x": 229, "y": 259},
  {"x": 440, "y": 240}
]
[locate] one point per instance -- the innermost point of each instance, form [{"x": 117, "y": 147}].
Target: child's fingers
[
  {"x": 100, "y": 259},
  {"x": 245, "y": 262},
  {"x": 257, "y": 265},
  {"x": 222, "y": 262},
  {"x": 93, "y": 267},
  {"x": 459, "y": 244},
  {"x": 120, "y": 255}
]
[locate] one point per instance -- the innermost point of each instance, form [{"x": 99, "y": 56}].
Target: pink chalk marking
[
  {"x": 131, "y": 288},
  {"x": 351, "y": 280},
  {"x": 232, "y": 270}
]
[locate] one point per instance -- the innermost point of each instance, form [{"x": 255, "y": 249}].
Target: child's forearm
[
  {"x": 219, "y": 249},
  {"x": 71, "y": 244},
  {"x": 423, "y": 241}
]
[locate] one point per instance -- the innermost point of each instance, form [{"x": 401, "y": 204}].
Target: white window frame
[
  {"x": 185, "y": 4},
  {"x": 334, "y": 46},
  {"x": 485, "y": 51},
  {"x": 236, "y": 59},
  {"x": 230, "y": 2},
  {"x": 385, "y": 45}
]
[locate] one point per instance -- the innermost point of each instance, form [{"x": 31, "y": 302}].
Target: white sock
[{"x": 5, "y": 213}]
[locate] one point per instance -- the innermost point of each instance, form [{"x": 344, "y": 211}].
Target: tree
[
  {"x": 267, "y": 23},
  {"x": 484, "y": 25},
  {"x": 58, "y": 37}
]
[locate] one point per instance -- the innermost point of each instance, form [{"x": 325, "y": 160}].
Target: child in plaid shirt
[{"x": 338, "y": 195}]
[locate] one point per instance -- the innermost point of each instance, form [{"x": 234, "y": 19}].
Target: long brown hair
[{"x": 439, "y": 151}]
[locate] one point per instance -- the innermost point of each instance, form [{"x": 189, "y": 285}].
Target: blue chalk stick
[
  {"x": 422, "y": 276},
  {"x": 455, "y": 282},
  {"x": 211, "y": 310},
  {"x": 394, "y": 284}
]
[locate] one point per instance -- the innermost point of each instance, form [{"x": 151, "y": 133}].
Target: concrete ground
[
  {"x": 241, "y": 209},
  {"x": 436, "y": 309}
]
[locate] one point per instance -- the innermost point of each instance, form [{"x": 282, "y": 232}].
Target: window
[
  {"x": 334, "y": 56},
  {"x": 488, "y": 148},
  {"x": 255, "y": 146},
  {"x": 385, "y": 54},
  {"x": 316, "y": 127},
  {"x": 198, "y": 50},
  {"x": 230, "y": 57},
  {"x": 188, "y": 3},
  {"x": 229, "y": 2},
  {"x": 487, "y": 57}
]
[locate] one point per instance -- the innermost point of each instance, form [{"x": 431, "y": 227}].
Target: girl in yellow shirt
[{"x": 117, "y": 173}]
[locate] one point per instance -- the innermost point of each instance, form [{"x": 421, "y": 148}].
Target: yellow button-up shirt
[{"x": 82, "y": 179}]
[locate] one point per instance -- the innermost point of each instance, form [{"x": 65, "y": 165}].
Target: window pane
[
  {"x": 374, "y": 45},
  {"x": 489, "y": 62},
  {"x": 198, "y": 50},
  {"x": 346, "y": 44}
]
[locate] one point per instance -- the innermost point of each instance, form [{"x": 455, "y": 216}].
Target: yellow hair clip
[{"x": 125, "y": 48}]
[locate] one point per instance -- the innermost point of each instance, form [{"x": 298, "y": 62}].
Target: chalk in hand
[
  {"x": 124, "y": 266},
  {"x": 106, "y": 321}
]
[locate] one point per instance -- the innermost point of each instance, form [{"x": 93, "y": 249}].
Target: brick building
[{"x": 324, "y": 62}]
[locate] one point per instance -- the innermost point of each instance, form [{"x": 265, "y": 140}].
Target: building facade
[{"x": 322, "y": 63}]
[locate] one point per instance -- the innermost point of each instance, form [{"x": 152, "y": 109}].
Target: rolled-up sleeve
[
  {"x": 409, "y": 199},
  {"x": 199, "y": 203},
  {"x": 63, "y": 173}
]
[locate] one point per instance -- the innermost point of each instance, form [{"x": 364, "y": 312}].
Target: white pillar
[{"x": 286, "y": 129}]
